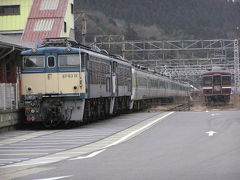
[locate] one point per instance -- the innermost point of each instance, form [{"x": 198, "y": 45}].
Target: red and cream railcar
[{"x": 216, "y": 86}]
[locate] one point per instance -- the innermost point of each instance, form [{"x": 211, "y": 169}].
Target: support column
[{"x": 236, "y": 67}]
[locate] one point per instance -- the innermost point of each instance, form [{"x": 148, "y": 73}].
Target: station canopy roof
[
  {"x": 8, "y": 41},
  {"x": 10, "y": 44}
]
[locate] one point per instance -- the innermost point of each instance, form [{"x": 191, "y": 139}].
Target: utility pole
[
  {"x": 83, "y": 28},
  {"x": 82, "y": 24}
]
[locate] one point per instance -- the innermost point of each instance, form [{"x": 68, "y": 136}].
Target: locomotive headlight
[{"x": 75, "y": 87}]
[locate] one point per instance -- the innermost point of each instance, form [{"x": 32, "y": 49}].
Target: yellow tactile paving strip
[{"x": 26, "y": 137}]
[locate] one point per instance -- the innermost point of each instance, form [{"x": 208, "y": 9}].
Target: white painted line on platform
[
  {"x": 215, "y": 114},
  {"x": 40, "y": 161},
  {"x": 71, "y": 153},
  {"x": 28, "y": 146},
  {"x": 27, "y": 150},
  {"x": 54, "y": 158},
  {"x": 90, "y": 155},
  {"x": 46, "y": 143},
  {"x": 23, "y": 154},
  {"x": 56, "y": 178},
  {"x": 15, "y": 159},
  {"x": 23, "y": 173},
  {"x": 82, "y": 134},
  {"x": 54, "y": 141},
  {"x": 211, "y": 133},
  {"x": 8, "y": 162},
  {"x": 34, "y": 163},
  {"x": 138, "y": 130},
  {"x": 58, "y": 139}
]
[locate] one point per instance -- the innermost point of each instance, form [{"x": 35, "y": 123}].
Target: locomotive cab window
[
  {"x": 217, "y": 80},
  {"x": 33, "y": 62},
  {"x": 69, "y": 60},
  {"x": 51, "y": 61},
  {"x": 226, "y": 80},
  {"x": 207, "y": 80}
]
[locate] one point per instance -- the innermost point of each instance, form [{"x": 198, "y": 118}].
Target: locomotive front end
[
  {"x": 53, "y": 84},
  {"x": 216, "y": 87}
]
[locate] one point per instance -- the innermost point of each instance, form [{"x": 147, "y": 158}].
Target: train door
[
  {"x": 217, "y": 84},
  {"x": 108, "y": 84},
  {"x": 83, "y": 72},
  {"x": 51, "y": 78},
  {"x": 114, "y": 79}
]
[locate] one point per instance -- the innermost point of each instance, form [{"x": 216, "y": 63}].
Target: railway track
[
  {"x": 172, "y": 107},
  {"x": 181, "y": 107}
]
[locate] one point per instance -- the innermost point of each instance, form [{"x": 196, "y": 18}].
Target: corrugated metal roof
[
  {"x": 43, "y": 24},
  {"x": 45, "y": 19},
  {"x": 49, "y": 4},
  {"x": 48, "y": 12},
  {"x": 32, "y": 35}
]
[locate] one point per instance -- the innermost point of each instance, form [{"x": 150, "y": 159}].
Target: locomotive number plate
[{"x": 69, "y": 76}]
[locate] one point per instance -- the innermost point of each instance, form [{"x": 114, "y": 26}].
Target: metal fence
[{"x": 8, "y": 96}]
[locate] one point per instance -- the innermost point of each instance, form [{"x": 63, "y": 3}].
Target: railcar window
[
  {"x": 217, "y": 79},
  {"x": 129, "y": 85},
  {"x": 142, "y": 81},
  {"x": 69, "y": 60},
  {"x": 33, "y": 62},
  {"x": 98, "y": 71},
  {"x": 207, "y": 80},
  {"x": 108, "y": 84},
  {"x": 226, "y": 79}
]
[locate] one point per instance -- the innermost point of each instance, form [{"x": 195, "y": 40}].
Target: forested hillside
[{"x": 162, "y": 19}]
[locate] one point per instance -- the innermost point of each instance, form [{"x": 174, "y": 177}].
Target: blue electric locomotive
[{"x": 62, "y": 83}]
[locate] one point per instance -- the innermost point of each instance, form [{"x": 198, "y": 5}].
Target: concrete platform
[{"x": 9, "y": 119}]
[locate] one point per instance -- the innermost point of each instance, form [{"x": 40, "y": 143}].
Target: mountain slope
[{"x": 162, "y": 19}]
